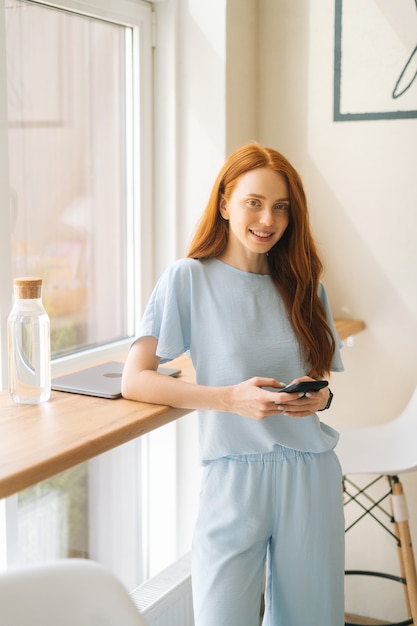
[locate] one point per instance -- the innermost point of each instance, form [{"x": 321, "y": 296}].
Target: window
[
  {"x": 77, "y": 80},
  {"x": 73, "y": 145}
]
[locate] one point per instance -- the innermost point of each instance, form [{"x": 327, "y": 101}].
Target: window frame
[{"x": 136, "y": 14}]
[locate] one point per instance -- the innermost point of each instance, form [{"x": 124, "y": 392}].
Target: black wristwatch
[{"x": 329, "y": 401}]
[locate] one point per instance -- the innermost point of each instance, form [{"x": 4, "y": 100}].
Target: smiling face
[{"x": 258, "y": 215}]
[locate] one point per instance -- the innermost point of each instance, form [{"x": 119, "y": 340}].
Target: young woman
[{"x": 248, "y": 307}]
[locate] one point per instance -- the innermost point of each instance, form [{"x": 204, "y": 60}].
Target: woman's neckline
[{"x": 238, "y": 269}]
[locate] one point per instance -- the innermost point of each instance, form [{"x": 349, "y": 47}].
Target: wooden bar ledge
[{"x": 38, "y": 441}]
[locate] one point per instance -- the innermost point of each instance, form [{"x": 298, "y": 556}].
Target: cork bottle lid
[{"x": 28, "y": 288}]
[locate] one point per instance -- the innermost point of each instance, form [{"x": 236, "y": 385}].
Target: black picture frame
[{"x": 341, "y": 49}]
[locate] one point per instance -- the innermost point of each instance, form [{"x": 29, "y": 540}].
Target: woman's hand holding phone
[
  {"x": 305, "y": 386},
  {"x": 306, "y": 397}
]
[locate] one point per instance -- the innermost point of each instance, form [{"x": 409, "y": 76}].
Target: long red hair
[{"x": 294, "y": 262}]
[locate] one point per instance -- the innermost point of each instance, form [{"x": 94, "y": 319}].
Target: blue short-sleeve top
[{"x": 234, "y": 325}]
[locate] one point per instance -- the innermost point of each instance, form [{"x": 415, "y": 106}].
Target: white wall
[{"x": 264, "y": 70}]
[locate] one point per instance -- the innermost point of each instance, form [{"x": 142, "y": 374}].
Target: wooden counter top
[
  {"x": 38, "y": 441},
  {"x": 346, "y": 328}
]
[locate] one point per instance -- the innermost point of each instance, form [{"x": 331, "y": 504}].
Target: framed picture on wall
[{"x": 375, "y": 59}]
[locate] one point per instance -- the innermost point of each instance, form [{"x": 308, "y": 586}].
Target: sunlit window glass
[{"x": 68, "y": 98}]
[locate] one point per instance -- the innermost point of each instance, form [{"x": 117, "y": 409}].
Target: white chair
[
  {"x": 68, "y": 592},
  {"x": 385, "y": 450}
]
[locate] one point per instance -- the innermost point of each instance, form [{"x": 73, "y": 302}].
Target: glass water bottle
[{"x": 29, "y": 344}]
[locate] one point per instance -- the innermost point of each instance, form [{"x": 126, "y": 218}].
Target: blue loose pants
[{"x": 282, "y": 509}]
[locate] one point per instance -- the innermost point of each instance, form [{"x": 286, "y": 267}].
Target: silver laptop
[{"x": 102, "y": 381}]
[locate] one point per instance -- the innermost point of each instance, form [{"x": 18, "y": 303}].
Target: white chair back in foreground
[{"x": 67, "y": 592}]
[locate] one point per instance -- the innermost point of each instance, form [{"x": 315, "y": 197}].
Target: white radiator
[{"x": 166, "y": 599}]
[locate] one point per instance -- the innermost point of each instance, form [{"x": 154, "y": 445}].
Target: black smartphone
[{"x": 304, "y": 386}]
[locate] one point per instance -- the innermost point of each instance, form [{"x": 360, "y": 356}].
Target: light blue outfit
[{"x": 272, "y": 488}]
